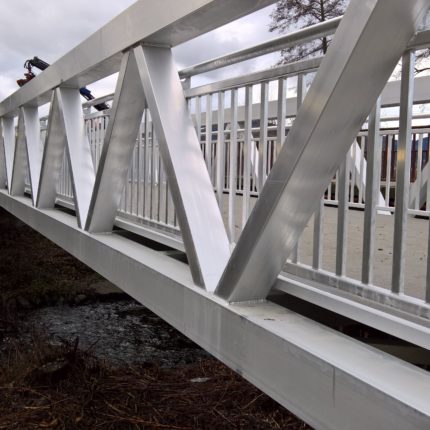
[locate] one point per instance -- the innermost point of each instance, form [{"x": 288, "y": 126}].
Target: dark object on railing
[{"x": 42, "y": 65}]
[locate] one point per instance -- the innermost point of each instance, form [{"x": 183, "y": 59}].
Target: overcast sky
[{"x": 50, "y": 28}]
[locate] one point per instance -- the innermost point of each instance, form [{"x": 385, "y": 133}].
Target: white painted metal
[
  {"x": 220, "y": 151},
  {"x": 373, "y": 193},
  {"x": 17, "y": 184},
  {"x": 78, "y": 151},
  {"x": 199, "y": 217},
  {"x": 8, "y": 130},
  {"x": 120, "y": 139},
  {"x": 31, "y": 123},
  {"x": 324, "y": 377},
  {"x": 319, "y": 368},
  {"x": 342, "y": 217}
]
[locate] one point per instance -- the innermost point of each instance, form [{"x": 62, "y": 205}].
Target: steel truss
[{"x": 220, "y": 299}]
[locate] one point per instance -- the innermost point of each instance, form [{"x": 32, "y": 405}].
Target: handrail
[{"x": 303, "y": 35}]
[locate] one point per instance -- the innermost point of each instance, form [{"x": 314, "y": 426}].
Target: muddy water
[{"x": 120, "y": 332}]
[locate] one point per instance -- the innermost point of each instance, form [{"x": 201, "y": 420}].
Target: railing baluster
[
  {"x": 353, "y": 172},
  {"x": 336, "y": 187},
  {"x": 159, "y": 178},
  {"x": 403, "y": 172},
  {"x": 390, "y": 140},
  {"x": 139, "y": 170},
  {"x": 317, "y": 251},
  {"x": 247, "y": 154},
  {"x": 233, "y": 167},
  {"x": 145, "y": 163},
  {"x": 198, "y": 117},
  {"x": 418, "y": 178},
  {"x": 220, "y": 164},
  {"x": 262, "y": 147},
  {"x": 134, "y": 161},
  {"x": 167, "y": 201},
  {"x": 342, "y": 216},
  {"x": 374, "y": 152},
  {"x": 152, "y": 161},
  {"x": 300, "y": 94},
  {"x": 360, "y": 184},
  {"x": 428, "y": 180},
  {"x": 208, "y": 145},
  {"x": 282, "y": 107}
]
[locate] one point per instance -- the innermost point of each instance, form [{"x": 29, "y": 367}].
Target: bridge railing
[
  {"x": 241, "y": 125},
  {"x": 274, "y": 157}
]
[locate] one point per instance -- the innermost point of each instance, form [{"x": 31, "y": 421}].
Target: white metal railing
[
  {"x": 147, "y": 201},
  {"x": 241, "y": 124},
  {"x": 276, "y": 158}
]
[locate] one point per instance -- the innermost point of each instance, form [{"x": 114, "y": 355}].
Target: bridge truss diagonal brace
[
  {"x": 199, "y": 217},
  {"x": 20, "y": 160},
  {"x": 8, "y": 133},
  {"x": 119, "y": 142},
  {"x": 52, "y": 157},
  {"x": 367, "y": 46},
  {"x": 29, "y": 117},
  {"x": 66, "y": 132}
]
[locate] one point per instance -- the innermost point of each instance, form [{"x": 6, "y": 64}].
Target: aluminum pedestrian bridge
[{"x": 228, "y": 209}]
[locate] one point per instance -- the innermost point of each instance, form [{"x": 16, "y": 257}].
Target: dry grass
[{"x": 62, "y": 387}]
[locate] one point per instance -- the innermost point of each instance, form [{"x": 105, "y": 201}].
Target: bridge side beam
[{"x": 366, "y": 48}]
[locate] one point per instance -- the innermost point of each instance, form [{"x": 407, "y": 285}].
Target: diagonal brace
[{"x": 199, "y": 216}]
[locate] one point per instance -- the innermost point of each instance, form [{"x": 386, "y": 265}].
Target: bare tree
[{"x": 290, "y": 15}]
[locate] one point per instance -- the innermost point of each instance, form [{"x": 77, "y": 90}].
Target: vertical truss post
[
  {"x": 119, "y": 142},
  {"x": 366, "y": 48},
  {"x": 199, "y": 216}
]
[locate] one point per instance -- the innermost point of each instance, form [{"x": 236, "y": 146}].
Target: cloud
[
  {"x": 50, "y": 28},
  {"x": 237, "y": 35}
]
